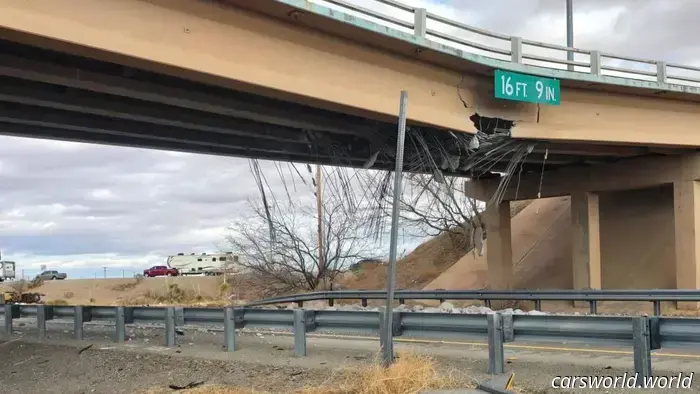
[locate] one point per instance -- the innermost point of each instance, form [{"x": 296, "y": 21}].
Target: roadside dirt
[{"x": 41, "y": 368}]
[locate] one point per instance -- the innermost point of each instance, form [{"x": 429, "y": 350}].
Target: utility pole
[
  {"x": 319, "y": 214},
  {"x": 105, "y": 272},
  {"x": 570, "y": 32}
]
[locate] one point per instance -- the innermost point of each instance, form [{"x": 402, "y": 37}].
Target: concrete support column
[
  {"x": 686, "y": 209},
  {"x": 499, "y": 253},
  {"x": 585, "y": 229}
]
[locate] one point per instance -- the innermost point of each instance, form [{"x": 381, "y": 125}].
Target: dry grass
[
  {"x": 57, "y": 302},
  {"x": 130, "y": 285},
  {"x": 411, "y": 373},
  {"x": 23, "y": 286}
]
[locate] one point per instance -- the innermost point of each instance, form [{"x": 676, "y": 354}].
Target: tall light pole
[{"x": 570, "y": 32}]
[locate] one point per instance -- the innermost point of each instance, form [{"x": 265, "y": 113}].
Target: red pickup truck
[{"x": 160, "y": 270}]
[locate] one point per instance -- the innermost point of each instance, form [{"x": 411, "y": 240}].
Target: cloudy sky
[{"x": 78, "y": 207}]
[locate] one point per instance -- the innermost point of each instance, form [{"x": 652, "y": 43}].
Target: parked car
[
  {"x": 52, "y": 275},
  {"x": 160, "y": 270}
]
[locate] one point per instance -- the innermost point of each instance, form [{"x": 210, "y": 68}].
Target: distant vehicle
[
  {"x": 160, "y": 270},
  {"x": 203, "y": 264},
  {"x": 52, "y": 275},
  {"x": 7, "y": 270}
]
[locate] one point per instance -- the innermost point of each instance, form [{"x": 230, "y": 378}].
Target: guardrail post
[
  {"x": 170, "y": 327},
  {"x": 487, "y": 303},
  {"x": 642, "y": 348},
  {"x": 364, "y": 302},
  {"x": 331, "y": 302},
  {"x": 594, "y": 307},
  {"x": 43, "y": 313},
  {"x": 595, "y": 62},
  {"x": 516, "y": 49},
  {"x": 300, "y": 317},
  {"x": 657, "y": 308},
  {"x": 78, "y": 319},
  {"x": 300, "y": 304},
  {"x": 661, "y": 72},
  {"x": 11, "y": 313},
  {"x": 538, "y": 305},
  {"x": 229, "y": 329},
  {"x": 495, "y": 333},
  {"x": 420, "y": 21},
  {"x": 120, "y": 325}
]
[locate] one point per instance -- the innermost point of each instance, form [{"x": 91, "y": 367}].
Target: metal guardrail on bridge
[
  {"x": 535, "y": 296},
  {"x": 423, "y": 23},
  {"x": 643, "y": 333}
]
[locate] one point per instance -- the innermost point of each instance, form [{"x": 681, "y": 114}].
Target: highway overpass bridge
[{"x": 319, "y": 83}]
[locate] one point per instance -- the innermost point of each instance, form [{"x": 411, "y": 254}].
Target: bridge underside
[{"x": 57, "y": 95}]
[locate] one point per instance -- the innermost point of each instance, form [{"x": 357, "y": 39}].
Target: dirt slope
[
  {"x": 637, "y": 245},
  {"x": 537, "y": 243},
  {"x": 427, "y": 262}
]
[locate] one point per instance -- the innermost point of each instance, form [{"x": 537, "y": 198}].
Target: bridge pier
[
  {"x": 585, "y": 230},
  {"x": 499, "y": 249},
  {"x": 686, "y": 211}
]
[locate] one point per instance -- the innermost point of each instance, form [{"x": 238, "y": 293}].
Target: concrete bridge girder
[
  {"x": 584, "y": 185},
  {"x": 224, "y": 44}
]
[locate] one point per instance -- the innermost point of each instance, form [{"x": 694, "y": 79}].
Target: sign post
[
  {"x": 528, "y": 88},
  {"x": 387, "y": 332}
]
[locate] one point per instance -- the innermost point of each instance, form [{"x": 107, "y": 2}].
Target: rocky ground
[
  {"x": 61, "y": 369},
  {"x": 266, "y": 360}
]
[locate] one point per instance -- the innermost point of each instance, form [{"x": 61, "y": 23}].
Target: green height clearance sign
[{"x": 523, "y": 87}]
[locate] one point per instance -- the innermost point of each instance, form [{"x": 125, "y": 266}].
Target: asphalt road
[{"x": 535, "y": 364}]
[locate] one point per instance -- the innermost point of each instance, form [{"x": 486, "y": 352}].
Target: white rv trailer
[
  {"x": 7, "y": 270},
  {"x": 202, "y": 264}
]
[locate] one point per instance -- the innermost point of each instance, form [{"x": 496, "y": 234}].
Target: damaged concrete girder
[{"x": 633, "y": 173}]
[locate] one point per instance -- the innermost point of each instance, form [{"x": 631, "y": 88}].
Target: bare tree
[
  {"x": 280, "y": 245},
  {"x": 431, "y": 206}
]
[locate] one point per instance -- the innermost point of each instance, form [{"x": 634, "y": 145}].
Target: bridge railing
[
  {"x": 644, "y": 334},
  {"x": 423, "y": 23}
]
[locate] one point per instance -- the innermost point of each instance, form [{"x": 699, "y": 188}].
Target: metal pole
[
  {"x": 388, "y": 345},
  {"x": 570, "y": 32}
]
